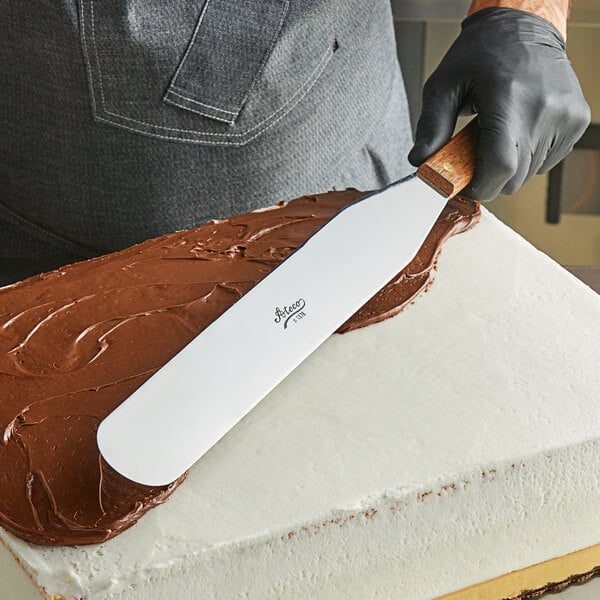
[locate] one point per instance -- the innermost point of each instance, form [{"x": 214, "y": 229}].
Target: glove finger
[
  {"x": 436, "y": 123},
  {"x": 535, "y": 161},
  {"x": 497, "y": 162},
  {"x": 549, "y": 150},
  {"x": 554, "y": 156},
  {"x": 525, "y": 171},
  {"x": 576, "y": 120}
]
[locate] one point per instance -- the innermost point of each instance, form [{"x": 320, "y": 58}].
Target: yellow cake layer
[{"x": 532, "y": 581}]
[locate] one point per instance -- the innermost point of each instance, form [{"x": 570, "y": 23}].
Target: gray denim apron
[{"x": 124, "y": 119}]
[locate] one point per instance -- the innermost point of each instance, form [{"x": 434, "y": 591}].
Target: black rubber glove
[{"x": 510, "y": 67}]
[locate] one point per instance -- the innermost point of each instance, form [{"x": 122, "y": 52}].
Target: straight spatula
[{"x": 214, "y": 381}]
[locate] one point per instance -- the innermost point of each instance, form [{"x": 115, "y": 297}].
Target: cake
[{"x": 445, "y": 437}]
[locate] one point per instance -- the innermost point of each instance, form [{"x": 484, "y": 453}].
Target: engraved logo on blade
[{"x": 290, "y": 314}]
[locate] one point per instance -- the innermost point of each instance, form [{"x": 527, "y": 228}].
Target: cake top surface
[
  {"x": 76, "y": 342},
  {"x": 496, "y": 362}
]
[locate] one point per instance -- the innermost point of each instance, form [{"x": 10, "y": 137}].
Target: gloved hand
[{"x": 510, "y": 67}]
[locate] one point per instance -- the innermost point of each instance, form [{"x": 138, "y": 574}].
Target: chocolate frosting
[{"x": 77, "y": 341}]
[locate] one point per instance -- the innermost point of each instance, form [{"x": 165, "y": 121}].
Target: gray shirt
[{"x": 123, "y": 120}]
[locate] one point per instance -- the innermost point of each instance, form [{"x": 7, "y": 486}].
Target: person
[{"x": 120, "y": 121}]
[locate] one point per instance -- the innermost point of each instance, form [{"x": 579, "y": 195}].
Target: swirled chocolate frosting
[{"x": 75, "y": 342}]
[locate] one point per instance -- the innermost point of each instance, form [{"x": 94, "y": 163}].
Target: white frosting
[{"x": 322, "y": 490}]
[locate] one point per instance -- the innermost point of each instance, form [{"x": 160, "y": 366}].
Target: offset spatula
[{"x": 217, "y": 378}]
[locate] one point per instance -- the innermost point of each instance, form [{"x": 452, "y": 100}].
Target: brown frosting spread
[{"x": 77, "y": 341}]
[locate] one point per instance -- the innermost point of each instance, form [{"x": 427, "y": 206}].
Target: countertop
[{"x": 589, "y": 275}]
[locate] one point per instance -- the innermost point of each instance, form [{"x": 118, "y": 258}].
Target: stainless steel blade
[{"x": 214, "y": 381}]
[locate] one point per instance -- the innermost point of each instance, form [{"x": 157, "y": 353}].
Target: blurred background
[{"x": 558, "y": 213}]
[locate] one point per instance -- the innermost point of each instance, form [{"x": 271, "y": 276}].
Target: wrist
[{"x": 555, "y": 11}]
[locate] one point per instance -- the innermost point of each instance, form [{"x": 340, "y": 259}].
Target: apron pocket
[
  {"x": 225, "y": 56},
  {"x": 215, "y": 72}
]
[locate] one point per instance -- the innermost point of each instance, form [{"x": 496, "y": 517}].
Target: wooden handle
[{"x": 451, "y": 168}]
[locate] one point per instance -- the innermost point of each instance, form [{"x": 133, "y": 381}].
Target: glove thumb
[{"x": 436, "y": 123}]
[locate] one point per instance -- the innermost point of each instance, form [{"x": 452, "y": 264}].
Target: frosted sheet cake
[{"x": 446, "y": 436}]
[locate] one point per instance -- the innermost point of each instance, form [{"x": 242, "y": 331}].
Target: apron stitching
[
  {"x": 96, "y": 55},
  {"x": 191, "y": 44},
  {"x": 294, "y": 99},
  {"x": 269, "y": 51},
  {"x": 210, "y": 143},
  {"x": 88, "y": 62},
  {"x": 201, "y": 134},
  {"x": 204, "y": 113},
  {"x": 229, "y": 112}
]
